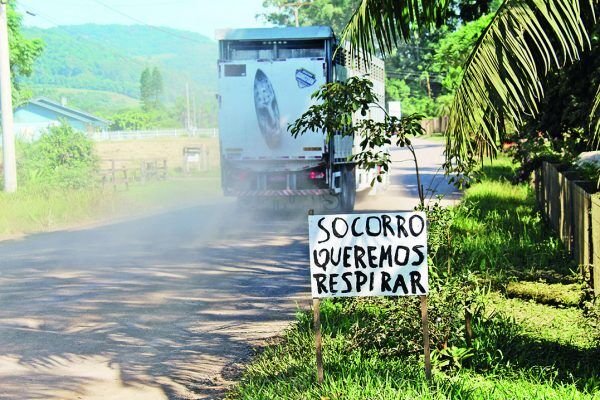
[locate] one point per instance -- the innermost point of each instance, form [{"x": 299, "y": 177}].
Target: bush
[{"x": 63, "y": 157}]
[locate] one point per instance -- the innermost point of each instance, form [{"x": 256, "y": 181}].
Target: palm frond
[
  {"x": 595, "y": 120},
  {"x": 502, "y": 81},
  {"x": 377, "y": 25}
]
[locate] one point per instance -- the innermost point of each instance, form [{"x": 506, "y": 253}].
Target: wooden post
[
  {"x": 426, "y": 350},
  {"x": 317, "y": 330},
  {"x": 126, "y": 178},
  {"x": 468, "y": 325},
  {"x": 114, "y": 174},
  {"x": 318, "y": 340},
  {"x": 143, "y": 172}
]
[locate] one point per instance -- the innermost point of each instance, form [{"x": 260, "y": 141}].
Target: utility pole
[
  {"x": 8, "y": 134},
  {"x": 187, "y": 97},
  {"x": 194, "y": 119}
]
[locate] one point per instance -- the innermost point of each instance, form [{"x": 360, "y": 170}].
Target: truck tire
[{"x": 348, "y": 183}]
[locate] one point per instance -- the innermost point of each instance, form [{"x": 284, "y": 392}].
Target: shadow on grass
[
  {"x": 500, "y": 346},
  {"x": 506, "y": 362},
  {"x": 498, "y": 231},
  {"x": 553, "y": 361}
]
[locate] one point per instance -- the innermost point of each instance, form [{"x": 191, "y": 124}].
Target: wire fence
[{"x": 152, "y": 134}]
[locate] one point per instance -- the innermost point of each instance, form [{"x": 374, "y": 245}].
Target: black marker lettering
[
  {"x": 320, "y": 280},
  {"x": 396, "y": 256},
  {"x": 386, "y": 254},
  {"x": 354, "y": 232},
  {"x": 411, "y": 224},
  {"x": 332, "y": 283},
  {"x": 336, "y": 233},
  {"x": 387, "y": 221},
  {"x": 359, "y": 253},
  {"x": 385, "y": 282},
  {"x": 417, "y": 249},
  {"x": 368, "y": 226},
  {"x": 339, "y": 253},
  {"x": 415, "y": 280},
  {"x": 347, "y": 281},
  {"x": 372, "y": 257},
  {"x": 347, "y": 251},
  {"x": 400, "y": 282},
  {"x": 400, "y": 225},
  {"x": 322, "y": 265},
  {"x": 320, "y": 225},
  {"x": 361, "y": 279}
]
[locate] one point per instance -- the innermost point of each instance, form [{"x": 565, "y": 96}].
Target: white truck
[{"x": 266, "y": 79}]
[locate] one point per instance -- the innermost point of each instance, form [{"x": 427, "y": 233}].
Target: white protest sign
[{"x": 368, "y": 254}]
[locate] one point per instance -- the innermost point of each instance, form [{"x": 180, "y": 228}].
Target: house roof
[
  {"x": 67, "y": 111},
  {"x": 291, "y": 33}
]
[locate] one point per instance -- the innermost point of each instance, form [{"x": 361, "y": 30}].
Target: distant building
[{"x": 33, "y": 117}]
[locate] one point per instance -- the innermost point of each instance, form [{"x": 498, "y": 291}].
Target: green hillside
[{"x": 108, "y": 59}]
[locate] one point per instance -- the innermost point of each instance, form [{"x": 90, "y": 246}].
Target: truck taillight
[{"x": 316, "y": 175}]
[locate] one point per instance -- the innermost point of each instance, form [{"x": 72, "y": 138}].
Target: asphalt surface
[{"x": 165, "y": 306}]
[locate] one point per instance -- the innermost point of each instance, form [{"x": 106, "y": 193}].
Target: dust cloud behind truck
[{"x": 266, "y": 79}]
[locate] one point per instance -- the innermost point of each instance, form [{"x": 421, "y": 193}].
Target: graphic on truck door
[
  {"x": 305, "y": 78},
  {"x": 267, "y": 111}
]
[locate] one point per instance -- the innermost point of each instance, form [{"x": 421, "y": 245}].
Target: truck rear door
[{"x": 259, "y": 99}]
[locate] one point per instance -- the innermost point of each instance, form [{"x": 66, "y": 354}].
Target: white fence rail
[{"x": 137, "y": 135}]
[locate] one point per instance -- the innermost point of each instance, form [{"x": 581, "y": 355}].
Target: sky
[{"x": 201, "y": 16}]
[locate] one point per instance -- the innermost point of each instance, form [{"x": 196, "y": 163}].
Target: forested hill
[{"x": 111, "y": 58}]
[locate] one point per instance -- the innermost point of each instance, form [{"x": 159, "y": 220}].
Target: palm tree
[{"x": 502, "y": 79}]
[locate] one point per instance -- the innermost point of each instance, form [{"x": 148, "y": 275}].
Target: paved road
[{"x": 166, "y": 306}]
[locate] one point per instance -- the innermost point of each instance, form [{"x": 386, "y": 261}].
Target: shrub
[{"x": 62, "y": 157}]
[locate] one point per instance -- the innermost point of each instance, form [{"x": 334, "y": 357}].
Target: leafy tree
[
  {"x": 453, "y": 49},
  {"x": 156, "y": 84},
  {"x": 146, "y": 90},
  {"x": 143, "y": 118},
  {"x": 151, "y": 88},
  {"x": 337, "y": 105},
  {"x": 334, "y": 13},
  {"x": 411, "y": 63},
  {"x": 503, "y": 76},
  {"x": 23, "y": 53},
  {"x": 62, "y": 157}
]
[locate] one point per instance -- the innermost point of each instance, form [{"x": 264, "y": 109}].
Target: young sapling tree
[{"x": 343, "y": 108}]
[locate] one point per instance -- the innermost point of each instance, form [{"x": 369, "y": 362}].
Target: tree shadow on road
[{"x": 164, "y": 302}]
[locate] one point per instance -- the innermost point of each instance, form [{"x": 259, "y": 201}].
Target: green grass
[
  {"x": 512, "y": 360},
  {"x": 498, "y": 232},
  {"x": 521, "y": 349},
  {"x": 30, "y": 210},
  {"x": 435, "y": 137}
]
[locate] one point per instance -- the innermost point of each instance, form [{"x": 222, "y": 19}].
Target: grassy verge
[
  {"x": 436, "y": 137},
  {"x": 521, "y": 348},
  {"x": 31, "y": 210}
]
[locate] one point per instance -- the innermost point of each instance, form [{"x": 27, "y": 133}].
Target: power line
[
  {"x": 159, "y": 3},
  {"x": 416, "y": 73},
  {"x": 157, "y": 28},
  {"x": 64, "y": 28}
]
